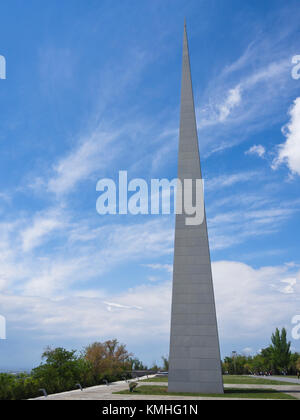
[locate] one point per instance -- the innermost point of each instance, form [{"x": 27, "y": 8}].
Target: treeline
[
  {"x": 63, "y": 370},
  {"x": 277, "y": 359}
]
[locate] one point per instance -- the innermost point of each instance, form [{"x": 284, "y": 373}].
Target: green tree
[
  {"x": 237, "y": 365},
  {"x": 280, "y": 351},
  {"x": 165, "y": 365},
  {"x": 6, "y": 386},
  {"x": 154, "y": 367},
  {"x": 61, "y": 371},
  {"x": 136, "y": 364},
  {"x": 109, "y": 360},
  {"x": 228, "y": 366},
  {"x": 294, "y": 367},
  {"x": 267, "y": 356}
]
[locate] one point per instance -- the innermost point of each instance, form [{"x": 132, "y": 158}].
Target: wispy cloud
[
  {"x": 232, "y": 227},
  {"x": 92, "y": 153},
  {"x": 167, "y": 267},
  {"x": 248, "y": 94},
  {"x": 251, "y": 312},
  {"x": 244, "y": 101},
  {"x": 41, "y": 226},
  {"x": 233, "y": 100},
  {"x": 257, "y": 150},
  {"x": 230, "y": 180},
  {"x": 5, "y": 196},
  {"x": 289, "y": 152},
  {"x": 111, "y": 306},
  {"x": 73, "y": 260}
]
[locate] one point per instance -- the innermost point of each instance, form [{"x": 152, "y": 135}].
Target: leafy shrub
[{"x": 132, "y": 386}]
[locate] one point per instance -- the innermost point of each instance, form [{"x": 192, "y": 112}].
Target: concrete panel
[
  {"x": 192, "y": 279},
  {"x": 191, "y": 250},
  {"x": 190, "y": 259},
  {"x": 195, "y": 341},
  {"x": 194, "y": 308},
  {"x": 194, "y": 288},
  {"x": 194, "y": 376},
  {"x": 197, "y": 364},
  {"x": 195, "y": 330},
  {"x": 192, "y": 298},
  {"x": 188, "y": 270},
  {"x": 204, "y": 352},
  {"x": 193, "y": 319},
  {"x": 189, "y": 233},
  {"x": 202, "y": 375},
  {"x": 195, "y": 353}
]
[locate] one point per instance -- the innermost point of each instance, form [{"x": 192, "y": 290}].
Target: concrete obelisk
[{"x": 195, "y": 364}]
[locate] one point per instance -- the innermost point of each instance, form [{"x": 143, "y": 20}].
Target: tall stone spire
[{"x": 195, "y": 364}]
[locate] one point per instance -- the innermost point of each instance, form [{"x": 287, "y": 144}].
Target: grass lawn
[
  {"x": 229, "y": 393},
  {"x": 232, "y": 380},
  {"x": 156, "y": 379},
  {"x": 248, "y": 380}
]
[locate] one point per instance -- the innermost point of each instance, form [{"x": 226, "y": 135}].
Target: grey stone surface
[
  {"x": 195, "y": 364},
  {"x": 195, "y": 341},
  {"x": 107, "y": 393},
  {"x": 191, "y": 298},
  {"x": 193, "y": 288},
  {"x": 193, "y": 308},
  {"x": 194, "y": 330},
  {"x": 195, "y": 353}
]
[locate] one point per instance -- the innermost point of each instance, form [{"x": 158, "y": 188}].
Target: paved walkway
[
  {"x": 279, "y": 378},
  {"x": 104, "y": 392}
]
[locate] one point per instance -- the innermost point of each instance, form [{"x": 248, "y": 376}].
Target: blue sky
[{"x": 93, "y": 88}]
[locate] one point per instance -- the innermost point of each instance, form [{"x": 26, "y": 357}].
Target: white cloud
[
  {"x": 233, "y": 111},
  {"x": 40, "y": 228},
  {"x": 92, "y": 153},
  {"x": 291, "y": 283},
  {"x": 74, "y": 259},
  {"x": 53, "y": 277},
  {"x": 258, "y": 150},
  {"x": 247, "y": 305},
  {"x": 89, "y": 293},
  {"x": 153, "y": 279},
  {"x": 247, "y": 95},
  {"x": 96, "y": 148},
  {"x": 230, "y": 179},
  {"x": 233, "y": 99},
  {"x": 145, "y": 313},
  {"x": 289, "y": 152},
  {"x": 247, "y": 351},
  {"x": 267, "y": 73},
  {"x": 167, "y": 267},
  {"x": 225, "y": 228},
  {"x": 5, "y": 196},
  {"x": 111, "y": 306}
]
